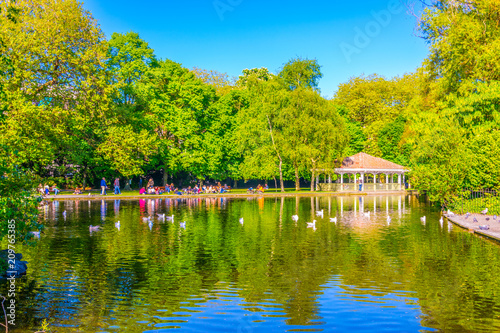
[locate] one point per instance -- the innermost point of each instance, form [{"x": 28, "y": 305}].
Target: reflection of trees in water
[{"x": 269, "y": 257}]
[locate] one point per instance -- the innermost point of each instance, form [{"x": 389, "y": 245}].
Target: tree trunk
[
  {"x": 281, "y": 176},
  {"x": 313, "y": 176},
  {"x": 235, "y": 183},
  {"x": 84, "y": 180},
  {"x": 165, "y": 177},
  {"x": 297, "y": 178}
]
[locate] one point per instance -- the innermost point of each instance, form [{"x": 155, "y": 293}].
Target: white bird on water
[
  {"x": 146, "y": 219},
  {"x": 183, "y": 225},
  {"x": 367, "y": 214},
  {"x": 94, "y": 228},
  {"x": 170, "y": 218},
  {"x": 319, "y": 213},
  {"x": 333, "y": 219},
  {"x": 241, "y": 220},
  {"x": 295, "y": 218},
  {"x": 117, "y": 225},
  {"x": 422, "y": 219},
  {"x": 161, "y": 216},
  {"x": 36, "y": 234},
  {"x": 311, "y": 224}
]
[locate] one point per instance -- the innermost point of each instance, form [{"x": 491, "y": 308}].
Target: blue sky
[{"x": 347, "y": 38}]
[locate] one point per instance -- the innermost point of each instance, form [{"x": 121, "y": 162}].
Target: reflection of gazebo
[{"x": 363, "y": 164}]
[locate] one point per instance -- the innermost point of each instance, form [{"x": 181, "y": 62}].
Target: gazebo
[{"x": 360, "y": 166}]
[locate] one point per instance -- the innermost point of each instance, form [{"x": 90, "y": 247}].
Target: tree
[
  {"x": 303, "y": 73},
  {"x": 250, "y": 76},
  {"x": 220, "y": 81},
  {"x": 175, "y": 107},
  {"x": 57, "y": 89},
  {"x": 129, "y": 57},
  {"x": 18, "y": 205}
]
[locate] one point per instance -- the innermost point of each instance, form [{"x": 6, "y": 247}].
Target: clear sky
[{"x": 348, "y": 38}]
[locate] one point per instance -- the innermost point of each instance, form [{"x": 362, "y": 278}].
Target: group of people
[
  {"x": 45, "y": 190},
  {"x": 116, "y": 185},
  {"x": 258, "y": 189},
  {"x": 151, "y": 189}
]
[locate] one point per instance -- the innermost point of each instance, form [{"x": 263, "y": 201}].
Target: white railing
[{"x": 349, "y": 187}]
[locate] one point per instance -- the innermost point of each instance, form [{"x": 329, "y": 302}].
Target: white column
[
  {"x": 399, "y": 182},
  {"x": 387, "y": 178},
  {"x": 341, "y": 178},
  {"x": 355, "y": 179},
  {"x": 374, "y": 179},
  {"x": 329, "y": 178}
]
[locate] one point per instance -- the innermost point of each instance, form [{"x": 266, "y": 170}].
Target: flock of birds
[{"x": 295, "y": 218}]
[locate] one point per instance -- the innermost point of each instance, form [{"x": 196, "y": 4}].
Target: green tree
[{"x": 303, "y": 73}]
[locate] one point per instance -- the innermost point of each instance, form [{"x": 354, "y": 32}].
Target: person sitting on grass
[
  {"x": 55, "y": 189},
  {"x": 77, "y": 191},
  {"x": 177, "y": 191},
  {"x": 251, "y": 190},
  {"x": 142, "y": 191},
  {"x": 260, "y": 189}
]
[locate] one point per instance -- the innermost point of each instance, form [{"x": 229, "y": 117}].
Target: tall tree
[
  {"x": 56, "y": 89},
  {"x": 301, "y": 73}
]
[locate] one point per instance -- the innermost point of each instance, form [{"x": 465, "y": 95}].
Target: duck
[
  {"x": 117, "y": 225},
  {"x": 170, "y": 218},
  {"x": 241, "y": 220},
  {"x": 423, "y": 219},
  {"x": 333, "y": 219},
  {"x": 183, "y": 225},
  {"x": 367, "y": 214},
  {"x": 161, "y": 216},
  {"x": 311, "y": 224},
  {"x": 485, "y": 211},
  {"x": 319, "y": 213},
  {"x": 295, "y": 218},
  {"x": 146, "y": 219},
  {"x": 35, "y": 234}
]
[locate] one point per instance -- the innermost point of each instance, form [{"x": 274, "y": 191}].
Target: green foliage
[
  {"x": 301, "y": 73},
  {"x": 17, "y": 200}
]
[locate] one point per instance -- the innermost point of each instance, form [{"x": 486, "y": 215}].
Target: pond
[{"x": 269, "y": 273}]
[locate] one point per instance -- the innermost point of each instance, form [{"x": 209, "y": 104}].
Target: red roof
[{"x": 365, "y": 161}]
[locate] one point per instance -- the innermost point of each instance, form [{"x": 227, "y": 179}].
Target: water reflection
[{"x": 362, "y": 273}]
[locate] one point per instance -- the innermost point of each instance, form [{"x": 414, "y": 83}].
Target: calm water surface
[{"x": 361, "y": 274}]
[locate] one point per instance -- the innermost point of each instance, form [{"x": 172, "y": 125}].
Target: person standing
[
  {"x": 103, "y": 186},
  {"x": 117, "y": 186}
]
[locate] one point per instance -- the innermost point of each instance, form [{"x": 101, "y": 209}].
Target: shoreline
[
  {"x": 213, "y": 195},
  {"x": 494, "y": 225}
]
